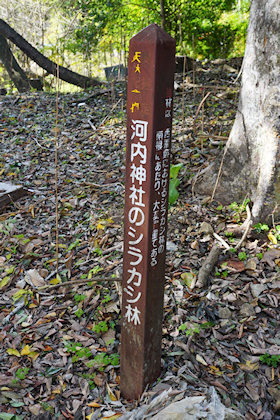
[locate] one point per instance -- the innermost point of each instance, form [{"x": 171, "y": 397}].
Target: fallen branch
[
  {"x": 208, "y": 266},
  {"x": 77, "y": 282},
  {"x": 13, "y": 312}
]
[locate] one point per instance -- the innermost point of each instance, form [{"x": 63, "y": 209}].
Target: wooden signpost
[{"x": 149, "y": 118}]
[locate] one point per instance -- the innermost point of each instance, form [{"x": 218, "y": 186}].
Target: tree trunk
[
  {"x": 51, "y": 67},
  {"x": 162, "y": 15},
  {"x": 251, "y": 158},
  {"x": 15, "y": 72}
]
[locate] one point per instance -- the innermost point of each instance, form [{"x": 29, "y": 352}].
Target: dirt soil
[{"x": 60, "y": 288}]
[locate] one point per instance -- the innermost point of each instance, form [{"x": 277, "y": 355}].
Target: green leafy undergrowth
[
  {"x": 99, "y": 362},
  {"x": 238, "y": 209},
  {"x": 261, "y": 228},
  {"x": 272, "y": 360},
  {"x": 102, "y": 360},
  {"x": 191, "y": 328},
  {"x": 174, "y": 183},
  {"x": 79, "y": 352}
]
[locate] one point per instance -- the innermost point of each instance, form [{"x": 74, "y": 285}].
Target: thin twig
[
  {"x": 183, "y": 98},
  {"x": 57, "y": 269},
  {"x": 198, "y": 109},
  {"x": 220, "y": 169},
  {"x": 248, "y": 223},
  {"x": 225, "y": 245},
  {"x": 13, "y": 312},
  {"x": 100, "y": 125},
  {"x": 206, "y": 86},
  {"x": 77, "y": 282},
  {"x": 118, "y": 247},
  {"x": 56, "y": 166}
]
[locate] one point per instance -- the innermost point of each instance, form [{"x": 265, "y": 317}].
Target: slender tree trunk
[
  {"x": 251, "y": 159},
  {"x": 51, "y": 67},
  {"x": 162, "y": 14},
  {"x": 15, "y": 72}
]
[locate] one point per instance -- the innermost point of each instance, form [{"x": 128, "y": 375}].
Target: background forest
[{"x": 87, "y": 35}]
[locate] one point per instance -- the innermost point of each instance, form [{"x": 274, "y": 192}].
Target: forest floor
[{"x": 60, "y": 344}]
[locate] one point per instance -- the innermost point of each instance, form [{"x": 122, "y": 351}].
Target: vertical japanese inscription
[{"x": 149, "y": 113}]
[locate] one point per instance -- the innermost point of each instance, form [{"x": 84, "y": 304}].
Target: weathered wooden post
[{"x": 149, "y": 117}]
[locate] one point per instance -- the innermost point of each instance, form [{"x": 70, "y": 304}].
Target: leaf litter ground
[{"x": 60, "y": 344}]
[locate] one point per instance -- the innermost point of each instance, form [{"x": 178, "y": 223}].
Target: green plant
[
  {"x": 272, "y": 360},
  {"x": 191, "y": 328},
  {"x": 274, "y": 232},
  {"x": 78, "y": 350},
  {"x": 102, "y": 360},
  {"x": 93, "y": 271},
  {"x": 242, "y": 256},
  {"x": 73, "y": 245},
  {"x": 217, "y": 272},
  {"x": 222, "y": 270},
  {"x": 228, "y": 234},
  {"x": 260, "y": 227},
  {"x": 259, "y": 255},
  {"x": 100, "y": 327},
  {"x": 106, "y": 299},
  {"x": 89, "y": 378},
  {"x": 79, "y": 298},
  {"x": 79, "y": 313},
  {"x": 22, "y": 372},
  {"x": 238, "y": 209},
  {"x": 174, "y": 183}
]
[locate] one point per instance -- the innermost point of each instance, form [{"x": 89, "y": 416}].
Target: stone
[
  {"x": 224, "y": 313},
  {"x": 206, "y": 228},
  {"x": 257, "y": 289},
  {"x": 247, "y": 310}
]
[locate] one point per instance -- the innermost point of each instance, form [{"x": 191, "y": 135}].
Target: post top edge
[{"x": 153, "y": 32}]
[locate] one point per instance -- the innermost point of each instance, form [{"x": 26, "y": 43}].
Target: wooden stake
[{"x": 149, "y": 115}]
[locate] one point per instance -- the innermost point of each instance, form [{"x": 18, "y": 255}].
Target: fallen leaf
[
  {"x": 25, "y": 351},
  {"x": 110, "y": 392},
  {"x": 13, "y": 352},
  {"x": 188, "y": 278},
  {"x": 272, "y": 238},
  {"x": 236, "y": 265},
  {"x": 270, "y": 255},
  {"x": 4, "y": 281},
  {"x": 34, "y": 279},
  {"x": 56, "y": 280},
  {"x": 99, "y": 380},
  {"x": 94, "y": 404},
  {"x": 201, "y": 360},
  {"x": 248, "y": 366}
]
